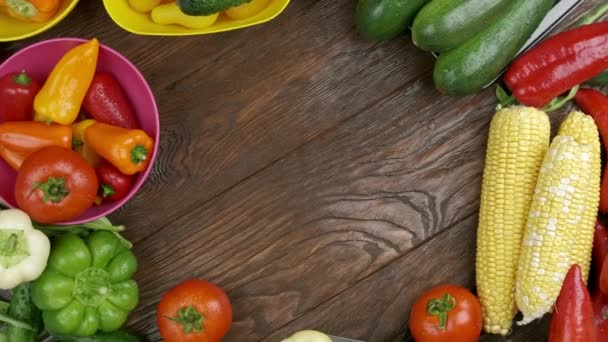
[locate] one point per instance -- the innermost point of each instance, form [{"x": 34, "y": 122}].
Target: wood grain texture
[{"x": 318, "y": 178}]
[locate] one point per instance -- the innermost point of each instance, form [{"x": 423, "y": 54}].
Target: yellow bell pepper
[
  {"x": 62, "y": 94},
  {"x": 144, "y": 6},
  {"x": 170, "y": 14},
  {"x": 80, "y": 144}
]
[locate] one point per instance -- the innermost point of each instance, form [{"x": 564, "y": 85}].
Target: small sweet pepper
[
  {"x": 80, "y": 144},
  {"x": 19, "y": 139},
  {"x": 62, "y": 94},
  {"x": 24, "y": 251},
  {"x": 32, "y": 10},
  {"x": 87, "y": 285},
  {"x": 129, "y": 150}
]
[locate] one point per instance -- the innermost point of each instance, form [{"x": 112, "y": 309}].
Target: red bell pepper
[
  {"x": 17, "y": 93},
  {"x": 107, "y": 102},
  {"x": 573, "y": 319},
  {"x": 595, "y": 104},
  {"x": 559, "y": 64},
  {"x": 113, "y": 184}
]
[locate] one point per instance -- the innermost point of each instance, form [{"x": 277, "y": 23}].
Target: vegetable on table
[
  {"x": 385, "y": 19},
  {"x": 247, "y": 10},
  {"x": 144, "y": 6},
  {"x": 195, "y": 310},
  {"x": 573, "y": 319},
  {"x": 113, "y": 184},
  {"x": 446, "y": 24},
  {"x": 308, "y": 336},
  {"x": 24, "y": 250},
  {"x": 562, "y": 217},
  {"x": 559, "y": 63},
  {"x": 117, "y": 336},
  {"x": 32, "y": 10},
  {"x": 169, "y": 14},
  {"x": 55, "y": 184},
  {"x": 595, "y": 104},
  {"x": 107, "y": 102},
  {"x": 474, "y": 64},
  {"x": 128, "y": 150},
  {"x": 446, "y": 313},
  {"x": 17, "y": 92},
  {"x": 24, "y": 317},
  {"x": 87, "y": 286},
  {"x": 519, "y": 138},
  {"x": 62, "y": 94},
  {"x": 599, "y": 300},
  {"x": 80, "y": 145},
  {"x": 19, "y": 139}
]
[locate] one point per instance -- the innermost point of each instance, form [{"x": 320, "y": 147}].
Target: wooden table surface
[{"x": 320, "y": 179}]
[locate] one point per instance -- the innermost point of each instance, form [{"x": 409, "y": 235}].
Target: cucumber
[
  {"x": 478, "y": 61},
  {"x": 445, "y": 24},
  {"x": 385, "y": 19}
]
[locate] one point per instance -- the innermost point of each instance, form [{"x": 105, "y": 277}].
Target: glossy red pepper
[
  {"x": 600, "y": 302},
  {"x": 17, "y": 93},
  {"x": 573, "y": 319},
  {"x": 113, "y": 184},
  {"x": 594, "y": 103},
  {"x": 558, "y": 64},
  {"x": 107, "y": 102}
]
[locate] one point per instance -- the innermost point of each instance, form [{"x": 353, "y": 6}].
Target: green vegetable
[
  {"x": 207, "y": 7},
  {"x": 477, "y": 62},
  {"x": 445, "y": 24},
  {"x": 87, "y": 285},
  {"x": 117, "y": 336},
  {"x": 25, "y": 316},
  {"x": 385, "y": 19}
]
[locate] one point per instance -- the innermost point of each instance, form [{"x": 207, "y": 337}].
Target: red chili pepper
[
  {"x": 600, "y": 301},
  {"x": 594, "y": 103},
  {"x": 113, "y": 184},
  {"x": 558, "y": 64},
  {"x": 573, "y": 318},
  {"x": 107, "y": 102},
  {"x": 17, "y": 93}
]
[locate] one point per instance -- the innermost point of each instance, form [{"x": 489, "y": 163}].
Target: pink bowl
[{"x": 38, "y": 60}]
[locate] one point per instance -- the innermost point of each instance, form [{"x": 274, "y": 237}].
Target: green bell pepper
[{"x": 87, "y": 285}]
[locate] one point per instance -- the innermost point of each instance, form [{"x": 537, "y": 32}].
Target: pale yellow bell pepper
[{"x": 308, "y": 336}]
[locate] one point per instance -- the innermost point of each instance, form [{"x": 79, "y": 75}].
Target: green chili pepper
[{"x": 87, "y": 285}]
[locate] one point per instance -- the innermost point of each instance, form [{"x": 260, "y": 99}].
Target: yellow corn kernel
[
  {"x": 558, "y": 207},
  {"x": 518, "y": 139},
  {"x": 583, "y": 129}
]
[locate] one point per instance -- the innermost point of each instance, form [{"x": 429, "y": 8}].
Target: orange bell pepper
[
  {"x": 62, "y": 94},
  {"x": 19, "y": 139},
  {"x": 80, "y": 144},
  {"x": 127, "y": 149},
  {"x": 31, "y": 10}
]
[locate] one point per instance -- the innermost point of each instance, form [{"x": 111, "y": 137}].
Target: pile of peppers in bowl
[{"x": 73, "y": 140}]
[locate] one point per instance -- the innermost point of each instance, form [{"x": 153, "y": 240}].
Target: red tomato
[
  {"x": 55, "y": 184},
  {"x": 194, "y": 311},
  {"x": 446, "y": 313},
  {"x": 114, "y": 185}
]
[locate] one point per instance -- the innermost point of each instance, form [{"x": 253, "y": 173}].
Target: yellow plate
[
  {"x": 13, "y": 29},
  {"x": 140, "y": 23}
]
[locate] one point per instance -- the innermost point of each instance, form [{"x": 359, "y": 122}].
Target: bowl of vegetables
[
  {"x": 23, "y": 19},
  {"x": 192, "y": 17},
  {"x": 79, "y": 131}
]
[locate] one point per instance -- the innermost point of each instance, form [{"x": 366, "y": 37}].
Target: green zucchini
[
  {"x": 478, "y": 61},
  {"x": 385, "y": 19},
  {"x": 445, "y": 24},
  {"x": 207, "y": 7}
]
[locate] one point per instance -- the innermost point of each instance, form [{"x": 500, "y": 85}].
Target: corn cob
[
  {"x": 583, "y": 129},
  {"x": 518, "y": 140},
  {"x": 556, "y": 213}
]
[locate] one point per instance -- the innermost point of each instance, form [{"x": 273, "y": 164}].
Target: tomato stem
[
  {"x": 107, "y": 191},
  {"x": 190, "y": 318},
  {"x": 139, "y": 154},
  {"x": 54, "y": 189},
  {"x": 22, "y": 79},
  {"x": 440, "y": 307}
]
